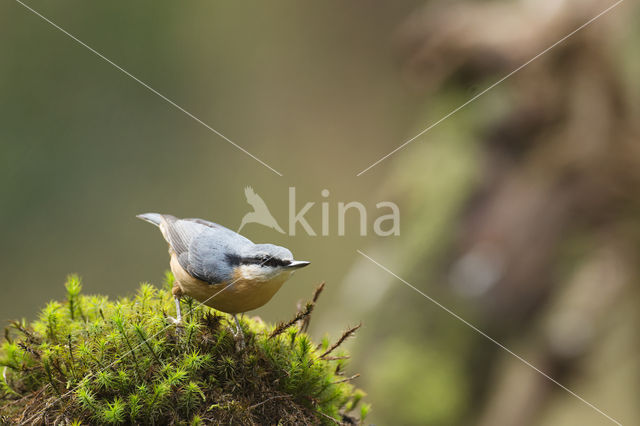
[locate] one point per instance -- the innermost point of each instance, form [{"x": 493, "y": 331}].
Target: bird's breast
[{"x": 241, "y": 294}]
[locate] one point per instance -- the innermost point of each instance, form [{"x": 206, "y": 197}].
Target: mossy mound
[{"x": 92, "y": 360}]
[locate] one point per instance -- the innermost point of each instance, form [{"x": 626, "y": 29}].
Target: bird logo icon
[{"x": 260, "y": 213}]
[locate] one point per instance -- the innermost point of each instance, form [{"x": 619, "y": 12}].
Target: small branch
[
  {"x": 316, "y": 294},
  {"x": 267, "y": 400},
  {"x": 335, "y": 358},
  {"x": 30, "y": 350},
  {"x": 281, "y": 327},
  {"x": 30, "y": 337},
  {"x": 347, "y": 379},
  {"x": 342, "y": 338},
  {"x": 329, "y": 417}
]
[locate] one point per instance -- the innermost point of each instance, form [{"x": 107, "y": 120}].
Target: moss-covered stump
[{"x": 91, "y": 360}]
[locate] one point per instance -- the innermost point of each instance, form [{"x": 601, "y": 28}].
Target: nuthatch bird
[{"x": 221, "y": 268}]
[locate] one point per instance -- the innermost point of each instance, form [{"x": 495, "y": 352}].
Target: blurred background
[{"x": 519, "y": 213}]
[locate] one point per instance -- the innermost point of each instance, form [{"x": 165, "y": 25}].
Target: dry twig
[
  {"x": 342, "y": 338},
  {"x": 316, "y": 294},
  {"x": 281, "y": 327}
]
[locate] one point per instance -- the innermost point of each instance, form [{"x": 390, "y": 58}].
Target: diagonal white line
[
  {"x": 145, "y": 85},
  {"x": 407, "y": 142},
  {"x": 476, "y": 329}
]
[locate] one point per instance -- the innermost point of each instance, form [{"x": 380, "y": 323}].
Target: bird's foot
[
  {"x": 238, "y": 335},
  {"x": 239, "y": 338},
  {"x": 175, "y": 321}
]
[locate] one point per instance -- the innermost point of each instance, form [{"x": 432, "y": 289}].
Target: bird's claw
[
  {"x": 239, "y": 338},
  {"x": 175, "y": 321}
]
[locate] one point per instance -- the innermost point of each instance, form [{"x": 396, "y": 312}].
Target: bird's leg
[
  {"x": 177, "y": 293},
  {"x": 178, "y": 313},
  {"x": 239, "y": 335}
]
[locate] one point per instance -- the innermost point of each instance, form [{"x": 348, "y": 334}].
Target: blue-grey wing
[
  {"x": 203, "y": 248},
  {"x": 213, "y": 254},
  {"x": 180, "y": 233}
]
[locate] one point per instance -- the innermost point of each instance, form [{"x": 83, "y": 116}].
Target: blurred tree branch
[{"x": 545, "y": 245}]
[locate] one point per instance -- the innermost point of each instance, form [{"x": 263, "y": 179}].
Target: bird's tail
[{"x": 154, "y": 218}]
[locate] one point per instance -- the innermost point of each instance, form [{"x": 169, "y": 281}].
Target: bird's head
[{"x": 264, "y": 262}]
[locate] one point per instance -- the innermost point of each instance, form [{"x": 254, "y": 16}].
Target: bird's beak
[{"x": 297, "y": 264}]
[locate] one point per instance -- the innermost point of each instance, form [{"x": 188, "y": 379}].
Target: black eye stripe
[{"x": 265, "y": 261}]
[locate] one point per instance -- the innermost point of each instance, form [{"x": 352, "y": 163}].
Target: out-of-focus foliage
[{"x": 520, "y": 216}]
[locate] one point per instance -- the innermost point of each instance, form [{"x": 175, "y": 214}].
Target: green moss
[{"x": 92, "y": 360}]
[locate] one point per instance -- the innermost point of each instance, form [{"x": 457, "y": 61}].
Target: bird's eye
[
  {"x": 265, "y": 260},
  {"x": 272, "y": 262}
]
